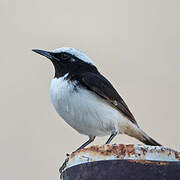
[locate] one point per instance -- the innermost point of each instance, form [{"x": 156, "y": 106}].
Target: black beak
[{"x": 43, "y": 53}]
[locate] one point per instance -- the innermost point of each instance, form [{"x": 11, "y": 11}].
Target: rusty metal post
[{"x": 124, "y": 162}]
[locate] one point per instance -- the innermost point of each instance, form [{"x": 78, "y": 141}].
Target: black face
[{"x": 67, "y": 63}]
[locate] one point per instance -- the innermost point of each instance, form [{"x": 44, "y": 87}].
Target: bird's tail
[{"x": 143, "y": 137}]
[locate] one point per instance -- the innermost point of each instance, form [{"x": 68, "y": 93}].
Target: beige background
[{"x": 135, "y": 43}]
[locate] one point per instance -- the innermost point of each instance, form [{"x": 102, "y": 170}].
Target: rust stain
[
  {"x": 169, "y": 154},
  {"x": 144, "y": 162},
  {"x": 121, "y": 150},
  {"x": 144, "y": 150},
  {"x": 132, "y": 153},
  {"x": 130, "y": 149},
  {"x": 118, "y": 150},
  {"x": 177, "y": 155}
]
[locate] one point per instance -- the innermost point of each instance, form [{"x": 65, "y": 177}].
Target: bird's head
[{"x": 68, "y": 60}]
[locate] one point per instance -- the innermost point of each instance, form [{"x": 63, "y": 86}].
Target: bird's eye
[{"x": 65, "y": 56}]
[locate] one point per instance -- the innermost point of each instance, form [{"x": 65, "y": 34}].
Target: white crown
[{"x": 75, "y": 52}]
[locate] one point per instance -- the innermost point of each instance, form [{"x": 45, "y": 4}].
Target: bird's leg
[
  {"x": 91, "y": 139},
  {"x": 111, "y": 137}
]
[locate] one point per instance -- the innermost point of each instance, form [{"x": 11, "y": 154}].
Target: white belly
[{"x": 84, "y": 110}]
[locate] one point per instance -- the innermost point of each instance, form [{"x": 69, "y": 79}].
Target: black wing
[{"x": 101, "y": 86}]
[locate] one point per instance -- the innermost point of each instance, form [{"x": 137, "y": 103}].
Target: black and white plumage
[{"x": 86, "y": 100}]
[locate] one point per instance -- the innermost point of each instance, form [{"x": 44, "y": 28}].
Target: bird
[{"x": 87, "y": 101}]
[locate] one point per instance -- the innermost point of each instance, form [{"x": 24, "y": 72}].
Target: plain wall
[{"x": 135, "y": 44}]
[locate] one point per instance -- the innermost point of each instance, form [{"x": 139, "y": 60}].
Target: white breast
[{"x": 84, "y": 110}]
